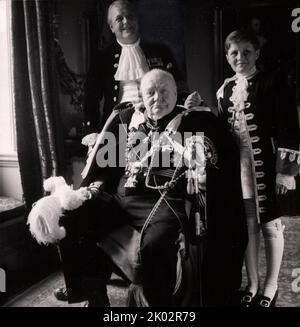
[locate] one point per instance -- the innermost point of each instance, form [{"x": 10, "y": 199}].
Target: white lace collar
[{"x": 132, "y": 64}]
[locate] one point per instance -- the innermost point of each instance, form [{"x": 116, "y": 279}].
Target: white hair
[
  {"x": 158, "y": 74},
  {"x": 119, "y": 4}
]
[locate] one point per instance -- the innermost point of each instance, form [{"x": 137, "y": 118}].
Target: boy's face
[{"x": 242, "y": 57}]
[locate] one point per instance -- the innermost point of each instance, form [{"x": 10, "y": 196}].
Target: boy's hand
[
  {"x": 193, "y": 100},
  {"x": 284, "y": 183}
]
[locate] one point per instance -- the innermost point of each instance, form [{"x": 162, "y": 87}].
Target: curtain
[{"x": 35, "y": 96}]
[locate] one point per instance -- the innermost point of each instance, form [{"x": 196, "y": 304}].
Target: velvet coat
[{"x": 273, "y": 136}]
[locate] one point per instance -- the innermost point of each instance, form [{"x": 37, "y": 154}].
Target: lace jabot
[
  {"x": 239, "y": 91},
  {"x": 132, "y": 64}
]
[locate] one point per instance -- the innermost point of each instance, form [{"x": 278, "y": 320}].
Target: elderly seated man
[{"x": 151, "y": 161}]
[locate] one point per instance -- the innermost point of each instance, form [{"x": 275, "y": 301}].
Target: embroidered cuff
[{"x": 288, "y": 162}]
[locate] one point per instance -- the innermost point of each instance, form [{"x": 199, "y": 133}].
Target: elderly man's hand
[{"x": 193, "y": 100}]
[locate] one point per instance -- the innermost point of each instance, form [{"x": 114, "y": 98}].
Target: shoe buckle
[
  {"x": 264, "y": 303},
  {"x": 246, "y": 299}
]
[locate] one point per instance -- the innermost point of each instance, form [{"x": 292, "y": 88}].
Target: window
[{"x": 7, "y": 132}]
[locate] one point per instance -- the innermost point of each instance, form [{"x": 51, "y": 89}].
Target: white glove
[
  {"x": 284, "y": 183},
  {"x": 90, "y": 140}
]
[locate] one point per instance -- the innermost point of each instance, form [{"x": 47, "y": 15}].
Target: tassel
[
  {"x": 190, "y": 187},
  {"x": 135, "y": 296}
]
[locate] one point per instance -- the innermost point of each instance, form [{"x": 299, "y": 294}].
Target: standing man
[{"x": 115, "y": 75}]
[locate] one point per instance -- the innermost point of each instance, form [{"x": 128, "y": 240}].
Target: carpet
[{"x": 41, "y": 294}]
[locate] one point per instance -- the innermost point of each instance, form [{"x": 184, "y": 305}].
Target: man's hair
[
  {"x": 158, "y": 73},
  {"x": 241, "y": 36},
  {"x": 119, "y": 4}
]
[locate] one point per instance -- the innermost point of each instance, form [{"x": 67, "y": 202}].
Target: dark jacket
[
  {"x": 101, "y": 84},
  {"x": 273, "y": 135}
]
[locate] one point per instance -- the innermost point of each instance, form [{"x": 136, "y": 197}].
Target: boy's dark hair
[{"x": 241, "y": 36}]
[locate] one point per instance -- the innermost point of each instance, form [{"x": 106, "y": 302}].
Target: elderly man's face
[
  {"x": 124, "y": 24},
  {"x": 159, "y": 96}
]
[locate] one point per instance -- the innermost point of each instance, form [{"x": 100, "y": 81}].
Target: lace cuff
[{"x": 288, "y": 162}]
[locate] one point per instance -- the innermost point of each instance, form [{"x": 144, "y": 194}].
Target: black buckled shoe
[
  {"x": 247, "y": 299},
  {"x": 61, "y": 294},
  {"x": 266, "y": 302}
]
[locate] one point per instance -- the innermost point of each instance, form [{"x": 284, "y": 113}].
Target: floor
[{"x": 41, "y": 294}]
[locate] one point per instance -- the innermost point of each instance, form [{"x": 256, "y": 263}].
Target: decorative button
[
  {"x": 261, "y": 186},
  {"x": 257, "y": 151},
  {"x": 260, "y": 174},
  {"x": 262, "y": 209},
  {"x": 252, "y": 127},
  {"x": 116, "y": 87},
  {"x": 115, "y": 99},
  {"x": 258, "y": 163},
  {"x": 249, "y": 116},
  {"x": 116, "y": 65},
  {"x": 254, "y": 139},
  {"x": 262, "y": 197},
  {"x": 117, "y": 55}
]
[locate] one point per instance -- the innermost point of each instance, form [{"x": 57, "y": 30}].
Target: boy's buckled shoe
[
  {"x": 266, "y": 302},
  {"x": 247, "y": 298}
]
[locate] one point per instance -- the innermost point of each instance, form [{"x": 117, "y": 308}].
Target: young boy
[{"x": 260, "y": 111}]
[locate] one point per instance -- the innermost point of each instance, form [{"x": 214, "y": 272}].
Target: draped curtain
[{"x": 35, "y": 96}]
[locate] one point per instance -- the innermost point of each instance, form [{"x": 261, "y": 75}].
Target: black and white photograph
[{"x": 150, "y": 156}]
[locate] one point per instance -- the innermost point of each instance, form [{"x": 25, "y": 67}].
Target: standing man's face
[{"x": 124, "y": 24}]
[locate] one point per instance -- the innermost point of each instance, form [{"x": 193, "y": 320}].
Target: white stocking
[
  {"x": 274, "y": 244},
  {"x": 252, "y": 251}
]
